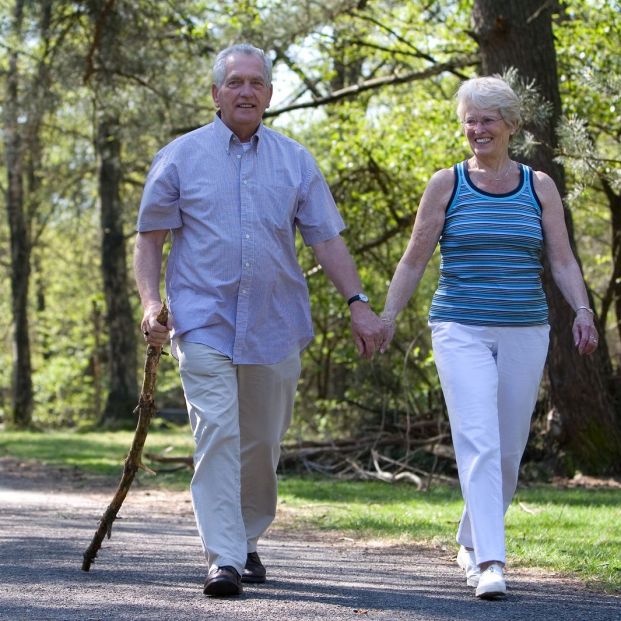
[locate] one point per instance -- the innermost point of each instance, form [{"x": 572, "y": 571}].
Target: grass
[
  {"x": 573, "y": 531},
  {"x": 101, "y": 452}
]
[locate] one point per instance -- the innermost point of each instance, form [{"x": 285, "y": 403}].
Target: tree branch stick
[{"x": 145, "y": 410}]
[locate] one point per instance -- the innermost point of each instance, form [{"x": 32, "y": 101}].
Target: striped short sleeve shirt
[{"x": 491, "y": 249}]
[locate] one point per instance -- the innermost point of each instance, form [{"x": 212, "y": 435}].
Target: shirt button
[
  {"x": 244, "y": 182},
  {"x": 239, "y": 157},
  {"x": 247, "y": 264},
  {"x": 247, "y": 236}
]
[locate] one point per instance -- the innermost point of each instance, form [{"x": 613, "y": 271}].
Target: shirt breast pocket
[
  {"x": 202, "y": 198},
  {"x": 277, "y": 206}
]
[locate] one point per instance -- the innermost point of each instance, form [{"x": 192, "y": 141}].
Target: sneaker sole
[{"x": 491, "y": 595}]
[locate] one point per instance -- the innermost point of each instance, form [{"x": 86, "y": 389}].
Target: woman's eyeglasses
[{"x": 486, "y": 121}]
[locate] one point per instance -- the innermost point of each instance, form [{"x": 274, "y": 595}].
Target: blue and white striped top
[{"x": 491, "y": 248}]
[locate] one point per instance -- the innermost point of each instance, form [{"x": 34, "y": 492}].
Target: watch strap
[{"x": 359, "y": 297}]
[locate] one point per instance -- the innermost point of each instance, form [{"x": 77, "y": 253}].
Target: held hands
[
  {"x": 367, "y": 329},
  {"x": 584, "y": 331},
  {"x": 153, "y": 331}
]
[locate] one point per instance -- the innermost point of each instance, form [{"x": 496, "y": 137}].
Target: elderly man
[{"x": 233, "y": 193}]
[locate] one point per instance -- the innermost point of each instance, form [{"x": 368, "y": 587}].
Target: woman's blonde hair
[{"x": 489, "y": 92}]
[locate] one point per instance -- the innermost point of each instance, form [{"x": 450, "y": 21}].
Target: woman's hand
[
  {"x": 388, "y": 333},
  {"x": 584, "y": 331}
]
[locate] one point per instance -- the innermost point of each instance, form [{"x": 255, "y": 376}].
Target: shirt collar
[{"x": 225, "y": 135}]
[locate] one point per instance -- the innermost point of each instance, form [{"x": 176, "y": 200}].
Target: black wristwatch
[{"x": 359, "y": 297}]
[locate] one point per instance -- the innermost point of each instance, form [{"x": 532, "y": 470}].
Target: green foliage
[
  {"x": 589, "y": 48},
  {"x": 377, "y": 149}
]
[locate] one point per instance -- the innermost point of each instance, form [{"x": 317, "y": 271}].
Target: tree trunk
[
  {"x": 613, "y": 293},
  {"x": 22, "y": 394},
  {"x": 120, "y": 324},
  {"x": 101, "y": 64},
  {"x": 36, "y": 106},
  {"x": 583, "y": 390}
]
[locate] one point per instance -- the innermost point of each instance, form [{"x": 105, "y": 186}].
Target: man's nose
[{"x": 246, "y": 89}]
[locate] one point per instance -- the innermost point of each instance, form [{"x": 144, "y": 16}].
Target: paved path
[{"x": 152, "y": 569}]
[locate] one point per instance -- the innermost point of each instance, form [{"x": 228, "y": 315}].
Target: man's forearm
[
  {"x": 148, "y": 266},
  {"x": 338, "y": 266}
]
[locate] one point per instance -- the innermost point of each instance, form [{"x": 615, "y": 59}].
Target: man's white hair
[{"x": 219, "y": 66}]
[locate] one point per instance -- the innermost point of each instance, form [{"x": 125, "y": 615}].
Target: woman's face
[{"x": 487, "y": 132}]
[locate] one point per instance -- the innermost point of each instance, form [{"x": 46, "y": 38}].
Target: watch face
[{"x": 363, "y": 298}]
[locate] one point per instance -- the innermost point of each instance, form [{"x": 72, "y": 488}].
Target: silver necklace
[
  {"x": 499, "y": 178},
  {"x": 505, "y": 173}
]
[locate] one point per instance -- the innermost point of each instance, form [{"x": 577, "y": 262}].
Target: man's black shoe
[
  {"x": 254, "y": 571},
  {"x": 223, "y": 582}
]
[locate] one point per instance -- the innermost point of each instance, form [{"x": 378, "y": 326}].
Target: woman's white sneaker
[
  {"x": 467, "y": 561},
  {"x": 492, "y": 583}
]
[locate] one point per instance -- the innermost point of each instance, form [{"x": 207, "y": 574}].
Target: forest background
[{"x": 91, "y": 90}]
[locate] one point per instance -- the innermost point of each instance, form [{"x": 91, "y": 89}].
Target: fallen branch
[
  {"x": 184, "y": 461},
  {"x": 404, "y": 473},
  {"x": 145, "y": 410}
]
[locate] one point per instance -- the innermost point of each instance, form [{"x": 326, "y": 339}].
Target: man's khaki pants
[{"x": 239, "y": 415}]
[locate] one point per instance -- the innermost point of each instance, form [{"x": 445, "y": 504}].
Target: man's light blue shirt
[{"x": 233, "y": 281}]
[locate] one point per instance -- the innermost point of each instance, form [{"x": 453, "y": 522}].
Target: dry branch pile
[
  {"x": 387, "y": 455},
  {"x": 390, "y": 455}
]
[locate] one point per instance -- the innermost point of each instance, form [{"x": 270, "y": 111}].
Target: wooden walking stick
[{"x": 145, "y": 410}]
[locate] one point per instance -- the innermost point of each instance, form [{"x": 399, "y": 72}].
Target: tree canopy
[{"x": 91, "y": 89}]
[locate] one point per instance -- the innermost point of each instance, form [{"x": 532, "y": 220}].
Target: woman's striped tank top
[{"x": 491, "y": 248}]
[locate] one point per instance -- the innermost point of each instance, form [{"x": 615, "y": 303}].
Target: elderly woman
[{"x": 493, "y": 217}]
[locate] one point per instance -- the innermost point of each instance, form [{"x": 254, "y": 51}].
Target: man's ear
[{"x": 214, "y": 94}]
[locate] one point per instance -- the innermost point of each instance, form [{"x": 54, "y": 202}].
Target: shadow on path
[{"x": 152, "y": 568}]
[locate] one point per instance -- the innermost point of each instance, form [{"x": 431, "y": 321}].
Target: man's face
[{"x": 244, "y": 96}]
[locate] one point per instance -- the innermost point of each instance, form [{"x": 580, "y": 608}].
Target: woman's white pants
[
  {"x": 490, "y": 378},
  {"x": 238, "y": 415}
]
